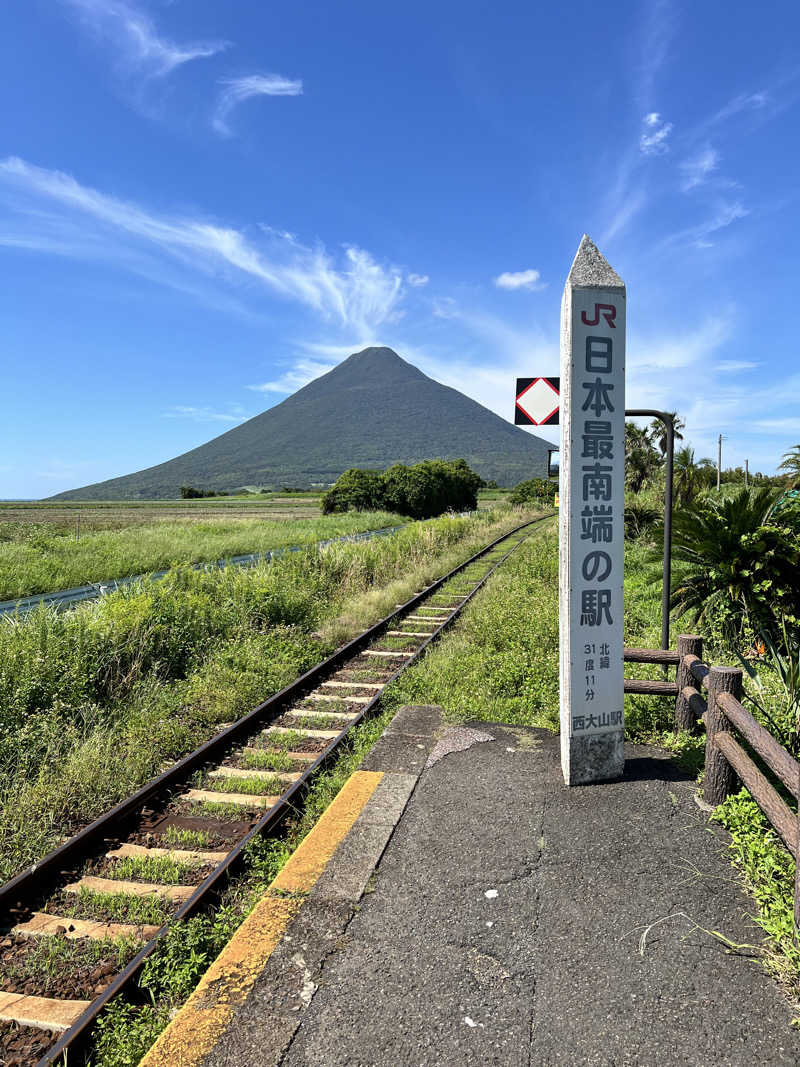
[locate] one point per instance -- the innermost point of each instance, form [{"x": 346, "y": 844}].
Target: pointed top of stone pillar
[{"x": 591, "y": 270}]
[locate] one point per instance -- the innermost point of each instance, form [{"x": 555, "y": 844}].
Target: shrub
[
  {"x": 738, "y": 567},
  {"x": 421, "y": 491},
  {"x": 640, "y": 519},
  {"x": 355, "y": 490},
  {"x": 535, "y": 491}
]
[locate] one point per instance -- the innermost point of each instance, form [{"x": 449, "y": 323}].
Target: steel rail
[{"x": 38, "y": 876}]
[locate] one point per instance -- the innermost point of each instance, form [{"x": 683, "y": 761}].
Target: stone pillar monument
[{"x": 591, "y": 519}]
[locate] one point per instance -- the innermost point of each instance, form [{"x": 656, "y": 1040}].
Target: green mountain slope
[{"x": 373, "y": 410}]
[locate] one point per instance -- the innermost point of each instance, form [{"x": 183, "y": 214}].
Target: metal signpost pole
[
  {"x": 668, "y": 418},
  {"x": 591, "y": 519}
]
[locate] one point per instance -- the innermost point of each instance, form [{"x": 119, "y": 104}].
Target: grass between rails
[
  {"x": 95, "y": 701},
  {"x": 46, "y": 562}
]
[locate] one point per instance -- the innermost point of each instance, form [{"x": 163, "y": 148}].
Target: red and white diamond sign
[{"x": 538, "y": 401}]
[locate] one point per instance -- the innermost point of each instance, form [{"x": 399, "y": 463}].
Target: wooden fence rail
[{"x": 723, "y": 715}]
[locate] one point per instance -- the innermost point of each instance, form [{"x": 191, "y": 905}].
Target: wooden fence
[{"x": 724, "y": 717}]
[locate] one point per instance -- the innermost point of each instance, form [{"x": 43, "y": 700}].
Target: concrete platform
[{"x": 479, "y": 912}]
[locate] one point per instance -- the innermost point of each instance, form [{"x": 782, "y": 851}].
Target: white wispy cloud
[
  {"x": 300, "y": 373},
  {"x": 726, "y": 213},
  {"x": 655, "y": 37},
  {"x": 743, "y": 102},
  {"x": 132, "y": 33},
  {"x": 53, "y": 212},
  {"x": 417, "y": 280},
  {"x": 653, "y": 138},
  {"x": 445, "y": 307},
  {"x": 733, "y": 366},
  {"x": 203, "y": 414},
  {"x": 521, "y": 279},
  {"x": 697, "y": 169},
  {"x": 623, "y": 209},
  {"x": 237, "y": 90},
  {"x": 789, "y": 424}
]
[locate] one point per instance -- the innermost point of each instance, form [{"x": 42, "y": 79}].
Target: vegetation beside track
[
  {"x": 38, "y": 558},
  {"x": 94, "y": 701}
]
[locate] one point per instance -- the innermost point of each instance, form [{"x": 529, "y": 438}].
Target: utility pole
[
  {"x": 719, "y": 462},
  {"x": 746, "y": 473}
]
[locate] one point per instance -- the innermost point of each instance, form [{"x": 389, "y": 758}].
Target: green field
[{"x": 43, "y": 549}]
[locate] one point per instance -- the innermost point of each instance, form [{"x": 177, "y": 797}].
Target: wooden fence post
[
  {"x": 688, "y": 644},
  {"x": 720, "y": 777}
]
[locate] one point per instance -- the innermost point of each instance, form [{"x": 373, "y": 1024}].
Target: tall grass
[
  {"x": 47, "y": 562},
  {"x": 94, "y": 701}
]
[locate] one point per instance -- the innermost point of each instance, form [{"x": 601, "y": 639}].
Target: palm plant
[
  {"x": 641, "y": 458},
  {"x": 791, "y": 464},
  {"x": 735, "y": 566},
  {"x": 658, "y": 431},
  {"x": 687, "y": 475}
]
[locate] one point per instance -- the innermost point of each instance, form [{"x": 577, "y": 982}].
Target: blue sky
[{"x": 205, "y": 205}]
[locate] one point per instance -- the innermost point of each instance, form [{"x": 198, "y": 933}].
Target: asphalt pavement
[{"x": 511, "y": 920}]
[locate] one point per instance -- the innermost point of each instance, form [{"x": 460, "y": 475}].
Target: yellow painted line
[
  {"x": 200, "y": 1023},
  {"x": 314, "y": 852}
]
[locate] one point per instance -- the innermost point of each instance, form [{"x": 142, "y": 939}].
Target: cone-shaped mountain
[{"x": 373, "y": 410}]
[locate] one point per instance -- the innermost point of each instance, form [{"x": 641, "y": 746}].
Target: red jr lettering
[{"x": 609, "y": 314}]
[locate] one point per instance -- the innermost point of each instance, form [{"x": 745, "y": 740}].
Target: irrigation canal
[{"x": 64, "y": 599}]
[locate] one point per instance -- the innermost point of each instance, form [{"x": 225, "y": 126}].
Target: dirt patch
[
  {"x": 223, "y": 833},
  {"x": 21, "y": 1046}
]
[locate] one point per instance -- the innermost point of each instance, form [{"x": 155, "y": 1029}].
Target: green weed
[
  {"x": 125, "y": 1032},
  {"x": 50, "y": 958},
  {"x": 177, "y": 837},
  {"x": 162, "y": 870},
  {"x": 219, "y": 809},
  {"x": 261, "y": 759},
  {"x": 260, "y": 786},
  {"x": 768, "y": 871},
  {"x": 115, "y": 907}
]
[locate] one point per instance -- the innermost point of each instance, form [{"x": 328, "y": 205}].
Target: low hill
[{"x": 373, "y": 410}]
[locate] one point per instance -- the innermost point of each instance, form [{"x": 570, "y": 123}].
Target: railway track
[{"x": 106, "y": 895}]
